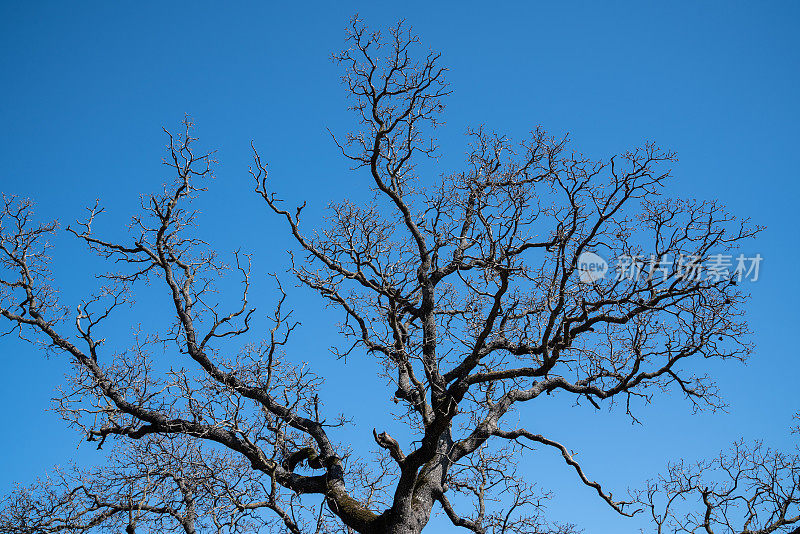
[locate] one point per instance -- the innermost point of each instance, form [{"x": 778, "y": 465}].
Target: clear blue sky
[{"x": 86, "y": 88}]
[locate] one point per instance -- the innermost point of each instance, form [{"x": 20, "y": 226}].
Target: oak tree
[{"x": 465, "y": 288}]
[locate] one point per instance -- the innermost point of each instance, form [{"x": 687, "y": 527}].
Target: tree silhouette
[{"x": 465, "y": 289}]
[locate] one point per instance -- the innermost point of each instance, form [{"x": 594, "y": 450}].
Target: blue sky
[{"x": 87, "y": 88}]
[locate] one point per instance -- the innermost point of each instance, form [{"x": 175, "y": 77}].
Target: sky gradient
[{"x": 88, "y": 87}]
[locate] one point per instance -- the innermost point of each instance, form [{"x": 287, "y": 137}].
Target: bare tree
[
  {"x": 465, "y": 288},
  {"x": 750, "y": 489},
  {"x": 152, "y": 485}
]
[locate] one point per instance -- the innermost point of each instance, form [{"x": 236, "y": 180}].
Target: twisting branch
[{"x": 619, "y": 506}]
